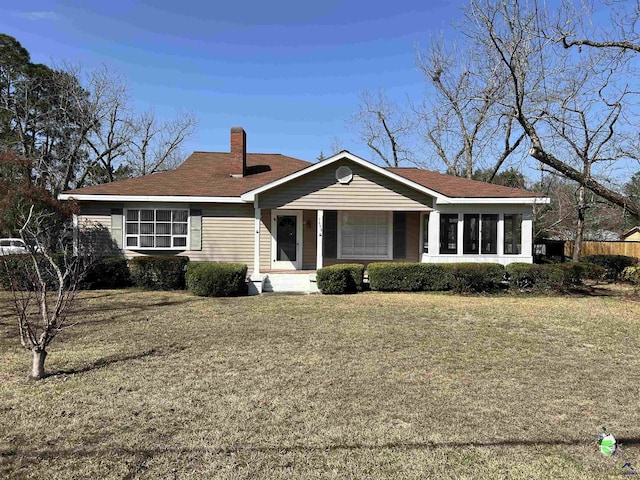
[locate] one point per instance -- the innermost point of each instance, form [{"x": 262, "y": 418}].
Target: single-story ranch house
[{"x": 281, "y": 215}]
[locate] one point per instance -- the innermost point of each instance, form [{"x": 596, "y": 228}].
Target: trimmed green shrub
[
  {"x": 527, "y": 277},
  {"x": 340, "y": 279},
  {"x": 613, "y": 264},
  {"x": 20, "y": 270},
  {"x": 632, "y": 275},
  {"x": 159, "y": 272},
  {"x": 591, "y": 271},
  {"x": 408, "y": 277},
  {"x": 476, "y": 277},
  {"x": 107, "y": 272},
  {"x": 212, "y": 279}
]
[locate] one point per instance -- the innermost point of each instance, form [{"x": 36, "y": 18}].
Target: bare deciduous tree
[
  {"x": 154, "y": 145},
  {"x": 621, "y": 33},
  {"x": 462, "y": 117},
  {"x": 43, "y": 288},
  {"x": 79, "y": 128},
  {"x": 385, "y": 128},
  {"x": 569, "y": 107}
]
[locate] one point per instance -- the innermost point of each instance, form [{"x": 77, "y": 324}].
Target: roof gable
[
  {"x": 344, "y": 185},
  {"x": 444, "y": 188}
]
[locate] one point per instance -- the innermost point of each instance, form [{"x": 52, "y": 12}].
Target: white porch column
[
  {"x": 500, "y": 236},
  {"x": 76, "y": 234},
  {"x": 256, "y": 241},
  {"x": 319, "y": 227},
  {"x": 460, "y": 233},
  {"x": 527, "y": 235},
  {"x": 434, "y": 233}
]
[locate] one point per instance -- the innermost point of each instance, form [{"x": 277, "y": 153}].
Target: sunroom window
[
  {"x": 513, "y": 234},
  {"x": 449, "y": 233},
  {"x": 365, "y": 235},
  {"x": 156, "y": 228}
]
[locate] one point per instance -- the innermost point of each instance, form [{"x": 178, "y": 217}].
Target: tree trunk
[
  {"x": 577, "y": 245},
  {"x": 37, "y": 371}
]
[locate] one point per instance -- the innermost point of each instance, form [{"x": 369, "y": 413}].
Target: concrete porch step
[{"x": 289, "y": 282}]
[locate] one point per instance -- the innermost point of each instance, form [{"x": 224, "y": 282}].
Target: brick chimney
[{"x": 238, "y": 152}]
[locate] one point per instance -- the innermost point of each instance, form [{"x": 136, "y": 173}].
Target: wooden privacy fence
[{"x": 630, "y": 249}]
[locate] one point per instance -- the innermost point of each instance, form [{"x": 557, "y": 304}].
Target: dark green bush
[
  {"x": 476, "y": 277},
  {"x": 408, "y": 277},
  {"x": 591, "y": 271},
  {"x": 107, "y": 272},
  {"x": 632, "y": 275},
  {"x": 576, "y": 272},
  {"x": 527, "y": 277},
  {"x": 210, "y": 279},
  {"x": 340, "y": 279},
  {"x": 613, "y": 264},
  {"x": 20, "y": 270},
  {"x": 159, "y": 272}
]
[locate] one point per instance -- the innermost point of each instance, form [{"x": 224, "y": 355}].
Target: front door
[{"x": 286, "y": 246}]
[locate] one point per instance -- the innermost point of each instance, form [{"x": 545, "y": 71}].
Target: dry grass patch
[{"x": 167, "y": 385}]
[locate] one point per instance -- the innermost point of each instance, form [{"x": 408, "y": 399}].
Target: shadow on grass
[
  {"x": 105, "y": 362},
  {"x": 145, "y": 454}
]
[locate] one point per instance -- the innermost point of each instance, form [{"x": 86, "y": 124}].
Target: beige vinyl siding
[
  {"x": 309, "y": 240},
  {"x": 367, "y": 191},
  {"x": 227, "y": 231},
  {"x": 227, "y": 234},
  {"x": 94, "y": 223},
  {"x": 265, "y": 239}
]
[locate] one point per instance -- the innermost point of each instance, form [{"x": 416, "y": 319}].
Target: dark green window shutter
[
  {"x": 399, "y": 235},
  {"x": 330, "y": 234},
  {"x": 195, "y": 233},
  {"x": 116, "y": 226}
]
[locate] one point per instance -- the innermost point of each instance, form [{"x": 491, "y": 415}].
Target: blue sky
[{"x": 289, "y": 72}]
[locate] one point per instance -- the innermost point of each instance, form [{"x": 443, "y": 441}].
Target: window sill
[
  {"x": 364, "y": 257},
  {"x": 156, "y": 249}
]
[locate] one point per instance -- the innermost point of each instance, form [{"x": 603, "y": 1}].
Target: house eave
[
  {"x": 149, "y": 198},
  {"x": 493, "y": 201}
]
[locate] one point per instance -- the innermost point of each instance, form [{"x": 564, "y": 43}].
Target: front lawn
[{"x": 168, "y": 385}]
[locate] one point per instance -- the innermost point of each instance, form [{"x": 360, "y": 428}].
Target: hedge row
[
  {"x": 159, "y": 272},
  {"x": 340, "y": 279},
  {"x": 614, "y": 265},
  {"x": 20, "y": 270},
  {"x": 154, "y": 272},
  {"x": 420, "y": 277},
  {"x": 460, "y": 277},
  {"x": 208, "y": 279}
]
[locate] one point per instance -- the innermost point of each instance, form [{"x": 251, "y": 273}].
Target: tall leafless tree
[
  {"x": 154, "y": 144},
  {"x": 385, "y": 127},
  {"x": 463, "y": 122},
  {"x": 569, "y": 106}
]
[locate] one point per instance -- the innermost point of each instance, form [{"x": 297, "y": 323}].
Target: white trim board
[{"x": 149, "y": 198}]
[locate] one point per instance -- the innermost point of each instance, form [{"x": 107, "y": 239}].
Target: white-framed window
[
  {"x": 365, "y": 235},
  {"x": 156, "y": 228},
  {"x": 513, "y": 234}
]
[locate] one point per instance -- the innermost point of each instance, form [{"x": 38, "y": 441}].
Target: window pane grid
[
  {"x": 161, "y": 228},
  {"x": 365, "y": 235}
]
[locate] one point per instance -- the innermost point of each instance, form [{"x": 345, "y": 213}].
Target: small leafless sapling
[{"x": 44, "y": 283}]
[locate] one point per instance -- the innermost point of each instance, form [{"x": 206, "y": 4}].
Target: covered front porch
[{"x": 292, "y": 244}]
